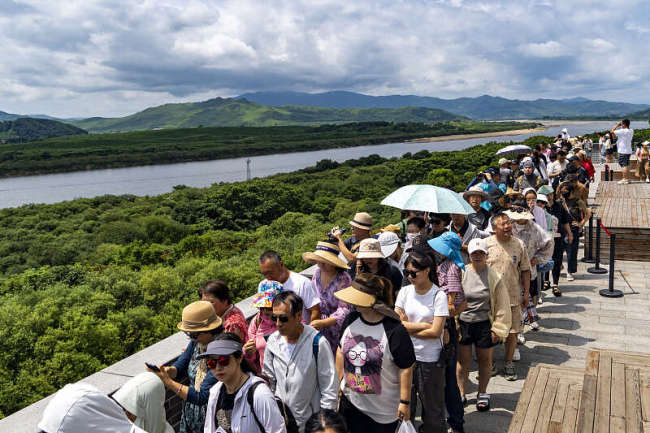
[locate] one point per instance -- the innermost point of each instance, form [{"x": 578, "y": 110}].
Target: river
[{"x": 158, "y": 179}]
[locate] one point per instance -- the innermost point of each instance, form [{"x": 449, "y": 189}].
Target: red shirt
[
  {"x": 589, "y": 167},
  {"x": 235, "y": 322}
]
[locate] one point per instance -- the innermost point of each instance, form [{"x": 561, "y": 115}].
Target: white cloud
[{"x": 546, "y": 50}]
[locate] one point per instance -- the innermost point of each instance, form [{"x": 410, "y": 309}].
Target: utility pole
[{"x": 248, "y": 169}]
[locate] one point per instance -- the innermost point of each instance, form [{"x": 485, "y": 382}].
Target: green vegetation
[
  {"x": 240, "y": 112},
  {"x": 94, "y": 151},
  {"x": 27, "y": 129},
  {"x": 88, "y": 282}
]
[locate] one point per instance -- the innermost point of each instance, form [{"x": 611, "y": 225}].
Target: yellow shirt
[{"x": 509, "y": 259}]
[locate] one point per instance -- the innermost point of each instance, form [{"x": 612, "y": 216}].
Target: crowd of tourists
[{"x": 389, "y": 320}]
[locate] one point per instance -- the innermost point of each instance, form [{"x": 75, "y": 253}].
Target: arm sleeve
[
  {"x": 311, "y": 295},
  {"x": 267, "y": 368},
  {"x": 351, "y": 317},
  {"x": 183, "y": 361},
  {"x": 400, "y": 301},
  {"x": 267, "y": 410},
  {"x": 201, "y": 397},
  {"x": 400, "y": 345},
  {"x": 440, "y": 305},
  {"x": 327, "y": 376}
]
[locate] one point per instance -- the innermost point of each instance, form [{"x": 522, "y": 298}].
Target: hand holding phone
[{"x": 152, "y": 367}]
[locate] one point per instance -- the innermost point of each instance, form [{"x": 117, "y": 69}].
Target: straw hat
[
  {"x": 266, "y": 292},
  {"x": 389, "y": 242},
  {"x": 509, "y": 193},
  {"x": 525, "y": 215},
  {"x": 361, "y": 295},
  {"x": 475, "y": 190},
  {"x": 504, "y": 161},
  {"x": 326, "y": 252},
  {"x": 370, "y": 249},
  {"x": 199, "y": 316},
  {"x": 362, "y": 220},
  {"x": 391, "y": 228}
]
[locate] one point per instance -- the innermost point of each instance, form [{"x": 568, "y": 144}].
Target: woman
[
  {"x": 562, "y": 236},
  {"x": 371, "y": 260},
  {"x": 78, "y": 406},
  {"x": 643, "y": 159},
  {"x": 329, "y": 277},
  {"x": 217, "y": 293},
  {"x": 261, "y": 325},
  {"x": 570, "y": 198},
  {"x": 143, "y": 401},
  {"x": 326, "y": 421},
  {"x": 484, "y": 323},
  {"x": 610, "y": 149},
  {"x": 374, "y": 360},
  {"x": 586, "y": 163},
  {"x": 450, "y": 263},
  {"x": 229, "y": 410},
  {"x": 530, "y": 195},
  {"x": 422, "y": 307},
  {"x": 201, "y": 324}
]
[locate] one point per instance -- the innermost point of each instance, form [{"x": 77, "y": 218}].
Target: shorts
[
  {"x": 624, "y": 159},
  {"x": 515, "y": 313},
  {"x": 477, "y": 333}
]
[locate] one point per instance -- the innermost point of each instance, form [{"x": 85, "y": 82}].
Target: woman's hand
[
  {"x": 163, "y": 374},
  {"x": 250, "y": 348},
  {"x": 403, "y": 412},
  {"x": 318, "y": 324}
]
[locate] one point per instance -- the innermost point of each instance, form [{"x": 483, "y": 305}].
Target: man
[
  {"x": 508, "y": 256},
  {"x": 361, "y": 225},
  {"x": 581, "y": 173},
  {"x": 274, "y": 269},
  {"x": 528, "y": 178},
  {"x": 624, "y": 146},
  {"x": 556, "y": 167},
  {"x": 505, "y": 171},
  {"x": 467, "y": 231},
  {"x": 299, "y": 364},
  {"x": 475, "y": 196}
]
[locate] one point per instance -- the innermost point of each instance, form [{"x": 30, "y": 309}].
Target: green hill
[
  {"x": 26, "y": 129},
  {"x": 640, "y": 115},
  {"x": 240, "y": 112}
]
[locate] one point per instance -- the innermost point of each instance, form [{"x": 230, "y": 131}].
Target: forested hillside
[{"x": 26, "y": 129}]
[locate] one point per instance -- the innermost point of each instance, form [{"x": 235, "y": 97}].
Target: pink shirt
[{"x": 259, "y": 330}]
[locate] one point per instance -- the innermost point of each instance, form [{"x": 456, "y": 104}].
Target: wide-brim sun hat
[
  {"x": 266, "y": 292},
  {"x": 475, "y": 190},
  {"x": 448, "y": 244},
  {"x": 325, "y": 252},
  {"x": 199, "y": 316},
  {"x": 389, "y": 242},
  {"x": 360, "y": 295},
  {"x": 362, "y": 220},
  {"x": 477, "y": 244},
  {"x": 370, "y": 248},
  {"x": 518, "y": 216},
  {"x": 545, "y": 189},
  {"x": 509, "y": 193},
  {"x": 221, "y": 348}
]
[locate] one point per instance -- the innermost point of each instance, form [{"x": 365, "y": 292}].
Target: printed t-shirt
[
  {"x": 223, "y": 414},
  {"x": 509, "y": 259},
  {"x": 624, "y": 142},
  {"x": 423, "y": 308},
  {"x": 477, "y": 292},
  {"x": 302, "y": 287},
  {"x": 373, "y": 354}
]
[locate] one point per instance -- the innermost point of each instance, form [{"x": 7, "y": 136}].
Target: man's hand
[
  {"x": 336, "y": 232},
  {"x": 249, "y": 347},
  {"x": 569, "y": 238},
  {"x": 576, "y": 224}
]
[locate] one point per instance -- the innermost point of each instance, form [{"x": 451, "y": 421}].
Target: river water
[{"x": 158, "y": 179}]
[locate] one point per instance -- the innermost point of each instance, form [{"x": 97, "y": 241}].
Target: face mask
[{"x": 410, "y": 237}]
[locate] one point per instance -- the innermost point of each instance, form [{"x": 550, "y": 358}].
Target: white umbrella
[
  {"x": 514, "y": 149},
  {"x": 428, "y": 198}
]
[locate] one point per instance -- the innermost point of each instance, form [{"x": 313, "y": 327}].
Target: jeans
[
  {"x": 572, "y": 251},
  {"x": 429, "y": 385},
  {"x": 558, "y": 254},
  {"x": 453, "y": 400}
]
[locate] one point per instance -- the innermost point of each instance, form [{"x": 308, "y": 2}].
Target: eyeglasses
[
  {"x": 282, "y": 318},
  {"x": 192, "y": 335},
  {"x": 411, "y": 274},
  {"x": 223, "y": 361}
]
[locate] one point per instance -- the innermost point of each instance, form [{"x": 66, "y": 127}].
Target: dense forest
[
  {"x": 88, "y": 282},
  {"x": 27, "y": 129},
  {"x": 95, "y": 151}
]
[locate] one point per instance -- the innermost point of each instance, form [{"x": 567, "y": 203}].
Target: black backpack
[{"x": 289, "y": 419}]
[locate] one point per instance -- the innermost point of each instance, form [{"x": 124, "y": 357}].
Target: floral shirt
[
  {"x": 332, "y": 307},
  {"x": 538, "y": 243},
  {"x": 235, "y": 322}
]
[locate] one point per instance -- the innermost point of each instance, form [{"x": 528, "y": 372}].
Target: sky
[{"x": 70, "y": 58}]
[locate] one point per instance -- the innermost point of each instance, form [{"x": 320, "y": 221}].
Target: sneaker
[
  {"x": 534, "y": 326},
  {"x": 647, "y": 180},
  {"x": 517, "y": 355},
  {"x": 556, "y": 291},
  {"x": 509, "y": 371},
  {"x": 521, "y": 339},
  {"x": 540, "y": 298},
  {"x": 569, "y": 277}
]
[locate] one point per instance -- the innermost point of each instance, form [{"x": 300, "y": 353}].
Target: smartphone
[{"x": 152, "y": 367}]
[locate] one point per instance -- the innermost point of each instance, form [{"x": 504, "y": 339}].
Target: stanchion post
[
  {"x": 597, "y": 269},
  {"x": 589, "y": 243},
  {"x": 610, "y": 292}
]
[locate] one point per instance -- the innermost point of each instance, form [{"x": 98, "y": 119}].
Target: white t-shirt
[
  {"x": 423, "y": 308},
  {"x": 624, "y": 142},
  {"x": 286, "y": 347},
  {"x": 302, "y": 287},
  {"x": 556, "y": 167}
]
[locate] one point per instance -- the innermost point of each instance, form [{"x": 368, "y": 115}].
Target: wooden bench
[
  {"x": 615, "y": 393},
  {"x": 549, "y": 401}
]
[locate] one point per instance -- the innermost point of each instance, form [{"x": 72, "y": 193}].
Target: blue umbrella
[{"x": 428, "y": 198}]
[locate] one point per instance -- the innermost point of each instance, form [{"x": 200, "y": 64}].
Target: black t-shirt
[
  {"x": 563, "y": 217},
  {"x": 223, "y": 412},
  {"x": 481, "y": 218}
]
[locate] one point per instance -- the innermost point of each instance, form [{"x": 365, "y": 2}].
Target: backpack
[{"x": 289, "y": 419}]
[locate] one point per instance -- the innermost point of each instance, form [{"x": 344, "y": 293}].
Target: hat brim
[
  {"x": 211, "y": 327},
  {"x": 360, "y": 226},
  {"x": 470, "y": 252},
  {"x": 355, "y": 297},
  {"x": 388, "y": 250},
  {"x": 370, "y": 255},
  {"x": 519, "y": 216},
  {"x": 324, "y": 257},
  {"x": 467, "y": 194}
]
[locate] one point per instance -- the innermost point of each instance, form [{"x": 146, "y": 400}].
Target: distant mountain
[
  {"x": 483, "y": 107},
  {"x": 7, "y": 116},
  {"x": 240, "y": 112},
  {"x": 26, "y": 129},
  {"x": 640, "y": 115}
]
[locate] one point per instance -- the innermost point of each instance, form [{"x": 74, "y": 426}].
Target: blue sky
[{"x": 110, "y": 57}]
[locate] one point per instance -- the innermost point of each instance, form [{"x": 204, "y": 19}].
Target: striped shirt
[{"x": 449, "y": 278}]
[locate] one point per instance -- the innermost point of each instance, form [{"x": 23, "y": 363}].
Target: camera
[{"x": 330, "y": 234}]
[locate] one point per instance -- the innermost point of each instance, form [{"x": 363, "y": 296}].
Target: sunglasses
[
  {"x": 412, "y": 274},
  {"x": 192, "y": 335},
  {"x": 282, "y": 318},
  {"x": 223, "y": 361}
]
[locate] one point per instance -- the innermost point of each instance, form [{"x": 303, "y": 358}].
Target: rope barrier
[{"x": 604, "y": 228}]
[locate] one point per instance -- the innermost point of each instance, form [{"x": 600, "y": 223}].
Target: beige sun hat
[
  {"x": 199, "y": 316},
  {"x": 362, "y": 220},
  {"x": 475, "y": 190},
  {"x": 325, "y": 252},
  {"x": 361, "y": 295},
  {"x": 504, "y": 161},
  {"x": 525, "y": 215},
  {"x": 370, "y": 249}
]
